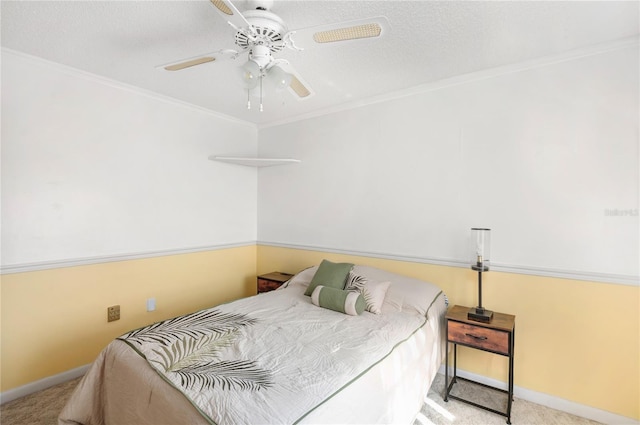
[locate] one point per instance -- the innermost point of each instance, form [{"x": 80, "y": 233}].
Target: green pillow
[
  {"x": 333, "y": 275},
  {"x": 349, "y": 302}
]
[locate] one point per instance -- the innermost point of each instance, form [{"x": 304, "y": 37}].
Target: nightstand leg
[
  {"x": 448, "y": 384},
  {"x": 446, "y": 374},
  {"x": 455, "y": 362},
  {"x": 511, "y": 355}
]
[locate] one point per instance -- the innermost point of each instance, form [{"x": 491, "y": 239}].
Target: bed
[{"x": 278, "y": 357}]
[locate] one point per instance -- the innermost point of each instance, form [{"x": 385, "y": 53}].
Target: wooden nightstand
[
  {"x": 495, "y": 337},
  {"x": 270, "y": 281}
]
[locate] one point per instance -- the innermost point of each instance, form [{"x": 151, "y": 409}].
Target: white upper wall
[
  {"x": 545, "y": 157},
  {"x": 91, "y": 168}
]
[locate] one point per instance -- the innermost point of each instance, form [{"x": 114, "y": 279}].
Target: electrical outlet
[{"x": 113, "y": 313}]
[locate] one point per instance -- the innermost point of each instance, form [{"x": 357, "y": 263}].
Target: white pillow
[
  {"x": 406, "y": 293},
  {"x": 372, "y": 291},
  {"x": 302, "y": 278}
]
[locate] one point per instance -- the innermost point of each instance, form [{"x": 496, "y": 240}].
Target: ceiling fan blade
[
  {"x": 198, "y": 60},
  {"x": 297, "y": 85},
  {"x": 189, "y": 63},
  {"x": 299, "y": 88},
  {"x": 230, "y": 13},
  {"x": 342, "y": 31}
]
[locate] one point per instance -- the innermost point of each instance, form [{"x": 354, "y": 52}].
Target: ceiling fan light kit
[
  {"x": 262, "y": 65},
  {"x": 261, "y": 33}
]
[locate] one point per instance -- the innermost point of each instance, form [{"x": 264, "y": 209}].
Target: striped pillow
[
  {"x": 348, "y": 302},
  {"x": 373, "y": 291}
]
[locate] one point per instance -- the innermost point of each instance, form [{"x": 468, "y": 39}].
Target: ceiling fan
[{"x": 262, "y": 34}]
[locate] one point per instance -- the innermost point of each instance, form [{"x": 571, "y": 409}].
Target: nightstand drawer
[
  {"x": 265, "y": 285},
  {"x": 478, "y": 336}
]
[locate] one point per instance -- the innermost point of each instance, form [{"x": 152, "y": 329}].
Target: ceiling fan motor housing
[
  {"x": 268, "y": 30},
  {"x": 261, "y": 55},
  {"x": 260, "y": 4}
]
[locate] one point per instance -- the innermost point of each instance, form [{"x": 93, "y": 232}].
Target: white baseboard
[
  {"x": 42, "y": 384},
  {"x": 553, "y": 402}
]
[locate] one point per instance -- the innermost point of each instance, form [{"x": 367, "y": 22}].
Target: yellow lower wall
[
  {"x": 575, "y": 340},
  {"x": 56, "y": 320}
]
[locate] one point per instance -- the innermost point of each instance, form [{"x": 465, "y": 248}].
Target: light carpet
[
  {"x": 435, "y": 411},
  {"x": 43, "y": 407}
]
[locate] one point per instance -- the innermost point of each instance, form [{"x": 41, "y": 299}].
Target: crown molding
[
  {"x": 88, "y": 76},
  {"x": 597, "y": 49},
  {"x": 253, "y": 161},
  {"x": 593, "y": 50}
]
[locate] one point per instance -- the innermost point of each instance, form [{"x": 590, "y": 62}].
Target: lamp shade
[
  {"x": 279, "y": 78},
  {"x": 480, "y": 248},
  {"x": 250, "y": 74}
]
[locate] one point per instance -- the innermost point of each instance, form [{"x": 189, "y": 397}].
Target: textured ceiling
[{"x": 426, "y": 41}]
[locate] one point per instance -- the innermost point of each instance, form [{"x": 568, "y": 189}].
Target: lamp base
[{"x": 480, "y": 314}]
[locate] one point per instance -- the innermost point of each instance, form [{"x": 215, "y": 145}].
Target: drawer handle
[{"x": 478, "y": 338}]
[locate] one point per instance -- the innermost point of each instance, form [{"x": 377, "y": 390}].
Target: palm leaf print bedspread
[{"x": 271, "y": 358}]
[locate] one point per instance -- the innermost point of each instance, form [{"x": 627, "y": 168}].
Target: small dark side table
[{"x": 495, "y": 337}]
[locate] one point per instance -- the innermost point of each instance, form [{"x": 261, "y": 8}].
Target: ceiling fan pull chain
[
  {"x": 261, "y": 93},
  {"x": 248, "y": 100}
]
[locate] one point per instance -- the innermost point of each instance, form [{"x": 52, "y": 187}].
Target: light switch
[{"x": 151, "y": 304}]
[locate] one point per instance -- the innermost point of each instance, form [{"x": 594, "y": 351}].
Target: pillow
[
  {"x": 373, "y": 291},
  {"x": 301, "y": 279},
  {"x": 348, "y": 302},
  {"x": 333, "y": 275},
  {"x": 406, "y": 293}
]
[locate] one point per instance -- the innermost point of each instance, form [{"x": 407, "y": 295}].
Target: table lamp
[{"x": 480, "y": 254}]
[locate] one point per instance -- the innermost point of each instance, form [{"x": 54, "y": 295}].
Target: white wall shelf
[{"x": 254, "y": 162}]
